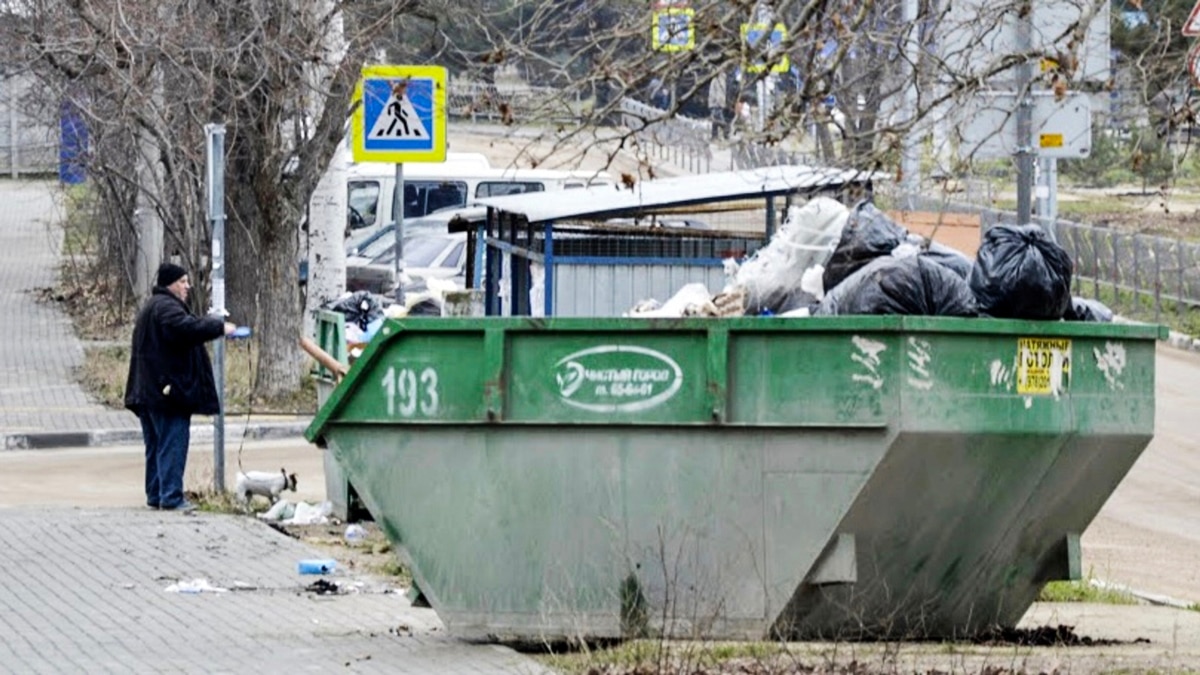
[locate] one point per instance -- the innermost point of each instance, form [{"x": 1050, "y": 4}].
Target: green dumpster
[
  {"x": 841, "y": 477},
  {"x": 330, "y": 333}
]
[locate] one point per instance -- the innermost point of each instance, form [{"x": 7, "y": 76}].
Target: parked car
[{"x": 442, "y": 256}]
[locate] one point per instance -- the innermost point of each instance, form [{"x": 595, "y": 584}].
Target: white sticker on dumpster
[
  {"x": 617, "y": 378},
  {"x": 1043, "y": 365}
]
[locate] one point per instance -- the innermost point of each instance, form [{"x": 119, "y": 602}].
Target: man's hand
[{"x": 229, "y": 327}]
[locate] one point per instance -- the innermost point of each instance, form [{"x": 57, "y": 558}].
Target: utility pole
[{"x": 214, "y": 175}]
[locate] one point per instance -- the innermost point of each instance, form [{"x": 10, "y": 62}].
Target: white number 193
[{"x": 407, "y": 393}]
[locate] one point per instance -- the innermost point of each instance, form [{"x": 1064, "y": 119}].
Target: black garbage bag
[
  {"x": 868, "y": 234},
  {"x": 950, "y": 258},
  {"x": 915, "y": 286},
  {"x": 426, "y": 307},
  {"x": 1020, "y": 273},
  {"x": 360, "y": 308},
  {"x": 1083, "y": 309},
  {"x": 796, "y": 299}
]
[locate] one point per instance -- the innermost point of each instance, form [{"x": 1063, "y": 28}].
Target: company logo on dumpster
[{"x": 617, "y": 378}]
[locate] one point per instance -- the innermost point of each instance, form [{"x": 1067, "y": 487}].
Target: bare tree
[
  {"x": 147, "y": 77},
  {"x": 862, "y": 78}
]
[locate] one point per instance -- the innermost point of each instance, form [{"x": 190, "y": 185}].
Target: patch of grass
[
  {"x": 1176, "y": 316},
  {"x": 668, "y": 656},
  {"x": 105, "y": 368},
  {"x": 209, "y": 500},
  {"x": 103, "y": 374},
  {"x": 1084, "y": 591}
]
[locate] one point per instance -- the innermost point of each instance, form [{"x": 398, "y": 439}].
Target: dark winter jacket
[{"x": 168, "y": 349}]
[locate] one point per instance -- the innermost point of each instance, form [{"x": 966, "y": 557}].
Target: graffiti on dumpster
[
  {"x": 920, "y": 353},
  {"x": 617, "y": 378},
  {"x": 868, "y": 356},
  {"x": 1043, "y": 365},
  {"x": 1111, "y": 362},
  {"x": 1001, "y": 374}
]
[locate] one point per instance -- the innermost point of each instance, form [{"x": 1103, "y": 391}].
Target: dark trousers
[
  {"x": 166, "y": 436},
  {"x": 720, "y": 127}
]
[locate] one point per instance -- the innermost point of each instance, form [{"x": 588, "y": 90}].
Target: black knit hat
[{"x": 169, "y": 273}]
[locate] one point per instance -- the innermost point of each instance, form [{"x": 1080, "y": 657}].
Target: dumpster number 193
[{"x": 407, "y": 392}]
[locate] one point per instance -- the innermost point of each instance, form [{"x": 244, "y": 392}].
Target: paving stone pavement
[
  {"x": 83, "y": 590},
  {"x": 40, "y": 351},
  {"x": 41, "y": 405}
]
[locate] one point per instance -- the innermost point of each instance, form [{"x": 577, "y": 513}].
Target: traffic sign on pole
[
  {"x": 769, "y": 55},
  {"x": 673, "y": 30},
  {"x": 1193, "y": 64},
  {"x": 1191, "y": 27},
  {"x": 401, "y": 114}
]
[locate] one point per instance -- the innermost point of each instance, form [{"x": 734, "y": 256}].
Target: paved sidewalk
[
  {"x": 41, "y": 405},
  {"x": 38, "y": 396},
  {"x": 83, "y": 590}
]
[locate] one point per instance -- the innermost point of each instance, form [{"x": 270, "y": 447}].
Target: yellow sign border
[
  {"x": 783, "y": 65},
  {"x": 660, "y": 46},
  {"x": 437, "y": 133}
]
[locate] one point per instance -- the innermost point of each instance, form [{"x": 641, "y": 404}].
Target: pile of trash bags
[
  {"x": 365, "y": 311},
  {"x": 830, "y": 260}
]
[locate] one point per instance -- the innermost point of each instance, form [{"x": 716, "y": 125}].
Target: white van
[{"x": 453, "y": 184}]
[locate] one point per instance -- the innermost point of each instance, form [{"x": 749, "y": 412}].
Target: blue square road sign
[{"x": 401, "y": 116}]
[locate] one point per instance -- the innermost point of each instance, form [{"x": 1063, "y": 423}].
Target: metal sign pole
[
  {"x": 1025, "y": 153},
  {"x": 215, "y": 185},
  {"x": 398, "y": 207}
]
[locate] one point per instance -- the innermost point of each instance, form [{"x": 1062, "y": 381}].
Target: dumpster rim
[{"x": 392, "y": 329}]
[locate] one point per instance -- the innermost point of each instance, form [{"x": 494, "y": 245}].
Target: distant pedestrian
[
  {"x": 170, "y": 379},
  {"x": 716, "y": 106}
]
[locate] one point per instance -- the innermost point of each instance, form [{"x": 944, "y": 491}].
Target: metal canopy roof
[{"x": 607, "y": 200}]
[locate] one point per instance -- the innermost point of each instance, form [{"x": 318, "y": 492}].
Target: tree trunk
[
  {"x": 326, "y": 242},
  {"x": 327, "y": 207}
]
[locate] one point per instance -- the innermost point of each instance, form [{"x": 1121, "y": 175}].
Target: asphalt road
[{"x": 1148, "y": 534}]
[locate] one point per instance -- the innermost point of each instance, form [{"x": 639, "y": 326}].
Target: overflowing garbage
[
  {"x": 365, "y": 311},
  {"x": 830, "y": 260}
]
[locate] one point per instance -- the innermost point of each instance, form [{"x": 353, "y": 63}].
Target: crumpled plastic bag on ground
[
  {"x": 298, "y": 513},
  {"x": 868, "y": 234},
  {"x": 915, "y": 285},
  {"x": 194, "y": 586},
  {"x": 1021, "y": 273},
  {"x": 774, "y": 273}
]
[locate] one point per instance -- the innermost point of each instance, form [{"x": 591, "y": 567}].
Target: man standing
[
  {"x": 716, "y": 106},
  {"x": 170, "y": 379}
]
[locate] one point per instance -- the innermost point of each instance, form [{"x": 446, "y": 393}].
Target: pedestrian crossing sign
[
  {"x": 400, "y": 114},
  {"x": 673, "y": 30},
  {"x": 764, "y": 45}
]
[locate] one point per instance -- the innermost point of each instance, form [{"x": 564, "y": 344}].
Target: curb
[
  {"x": 234, "y": 433},
  {"x": 1183, "y": 341},
  {"x": 1175, "y": 339},
  {"x": 1152, "y": 598}
]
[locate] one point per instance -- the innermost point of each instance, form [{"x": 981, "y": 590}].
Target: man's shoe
[
  {"x": 152, "y": 507},
  {"x": 181, "y": 507}
]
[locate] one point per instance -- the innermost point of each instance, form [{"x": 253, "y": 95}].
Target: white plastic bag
[
  {"x": 690, "y": 300},
  {"x": 773, "y": 277}
]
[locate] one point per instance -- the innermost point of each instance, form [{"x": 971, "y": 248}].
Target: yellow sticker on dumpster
[{"x": 1043, "y": 365}]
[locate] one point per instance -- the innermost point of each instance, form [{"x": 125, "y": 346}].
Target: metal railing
[
  {"x": 509, "y": 103},
  {"x": 681, "y": 140},
  {"x": 1132, "y": 271}
]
